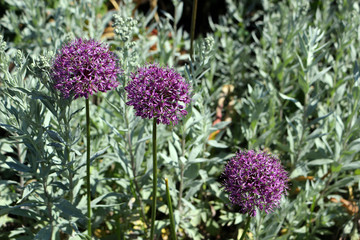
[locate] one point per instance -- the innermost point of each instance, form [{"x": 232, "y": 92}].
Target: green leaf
[
  {"x": 195, "y": 151},
  {"x": 68, "y": 209},
  {"x": 8, "y": 182},
  {"x": 356, "y": 72},
  {"x": 75, "y": 112},
  {"x": 5, "y": 210},
  {"x": 26, "y": 192},
  {"x": 303, "y": 84},
  {"x": 319, "y": 118},
  {"x": 339, "y": 127},
  {"x": 16, "y": 165},
  {"x": 297, "y": 103},
  {"x": 140, "y": 153},
  {"x": 12, "y": 129},
  {"x": 144, "y": 139},
  {"x": 319, "y": 75},
  {"x": 194, "y": 188},
  {"x": 351, "y": 166},
  {"x": 320, "y": 162},
  {"x": 107, "y": 195},
  {"x": 98, "y": 153},
  {"x": 356, "y": 92},
  {"x": 216, "y": 144},
  {"x": 44, "y": 233},
  {"x": 336, "y": 167},
  {"x": 300, "y": 170},
  {"x": 192, "y": 171},
  {"x": 116, "y": 131},
  {"x": 55, "y": 136},
  {"x": 173, "y": 152},
  {"x": 178, "y": 13},
  {"x": 219, "y": 126},
  {"x": 315, "y": 134},
  {"x": 340, "y": 184},
  {"x": 49, "y": 106},
  {"x": 21, "y": 210}
]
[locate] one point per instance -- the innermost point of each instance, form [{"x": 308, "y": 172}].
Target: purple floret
[
  {"x": 255, "y": 180},
  {"x": 84, "y": 67},
  {"x": 160, "y": 93}
]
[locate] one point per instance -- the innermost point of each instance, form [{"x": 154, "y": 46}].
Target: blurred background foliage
[{"x": 280, "y": 75}]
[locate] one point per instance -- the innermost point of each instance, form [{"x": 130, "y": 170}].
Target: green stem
[
  {"x": 153, "y": 211},
  {"x": 193, "y": 21},
  {"x": 171, "y": 215},
  {"x": 88, "y": 166},
  {"x": 246, "y": 227},
  {"x": 308, "y": 227}
]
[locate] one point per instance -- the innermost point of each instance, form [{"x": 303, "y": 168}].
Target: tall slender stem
[
  {"x": 171, "y": 215},
  {"x": 246, "y": 227},
  {"x": 88, "y": 165},
  {"x": 153, "y": 210},
  {"x": 193, "y": 21}
]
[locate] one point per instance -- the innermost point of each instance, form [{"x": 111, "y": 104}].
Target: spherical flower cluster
[
  {"x": 160, "y": 93},
  {"x": 255, "y": 180},
  {"x": 83, "y": 67}
]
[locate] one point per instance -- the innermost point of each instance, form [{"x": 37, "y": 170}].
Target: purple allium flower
[
  {"x": 158, "y": 92},
  {"x": 83, "y": 67},
  {"x": 255, "y": 180}
]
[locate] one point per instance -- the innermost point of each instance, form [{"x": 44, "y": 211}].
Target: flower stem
[
  {"x": 88, "y": 166},
  {"x": 171, "y": 215},
  {"x": 153, "y": 211},
  {"x": 246, "y": 227},
  {"x": 193, "y": 21}
]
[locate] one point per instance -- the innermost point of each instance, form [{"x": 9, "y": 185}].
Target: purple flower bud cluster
[
  {"x": 83, "y": 67},
  {"x": 255, "y": 180},
  {"x": 157, "y": 92}
]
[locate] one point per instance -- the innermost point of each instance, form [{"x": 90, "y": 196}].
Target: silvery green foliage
[
  {"x": 294, "y": 68},
  {"x": 123, "y": 27},
  {"x": 37, "y": 121},
  {"x": 303, "y": 105},
  {"x": 233, "y": 56},
  {"x": 180, "y": 147},
  {"x": 44, "y": 135},
  {"x": 39, "y": 25}
]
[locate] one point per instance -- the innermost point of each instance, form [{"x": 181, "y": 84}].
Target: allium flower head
[
  {"x": 255, "y": 180},
  {"x": 158, "y": 92},
  {"x": 83, "y": 67}
]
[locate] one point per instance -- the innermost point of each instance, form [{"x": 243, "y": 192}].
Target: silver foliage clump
[
  {"x": 281, "y": 76},
  {"x": 123, "y": 27}
]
